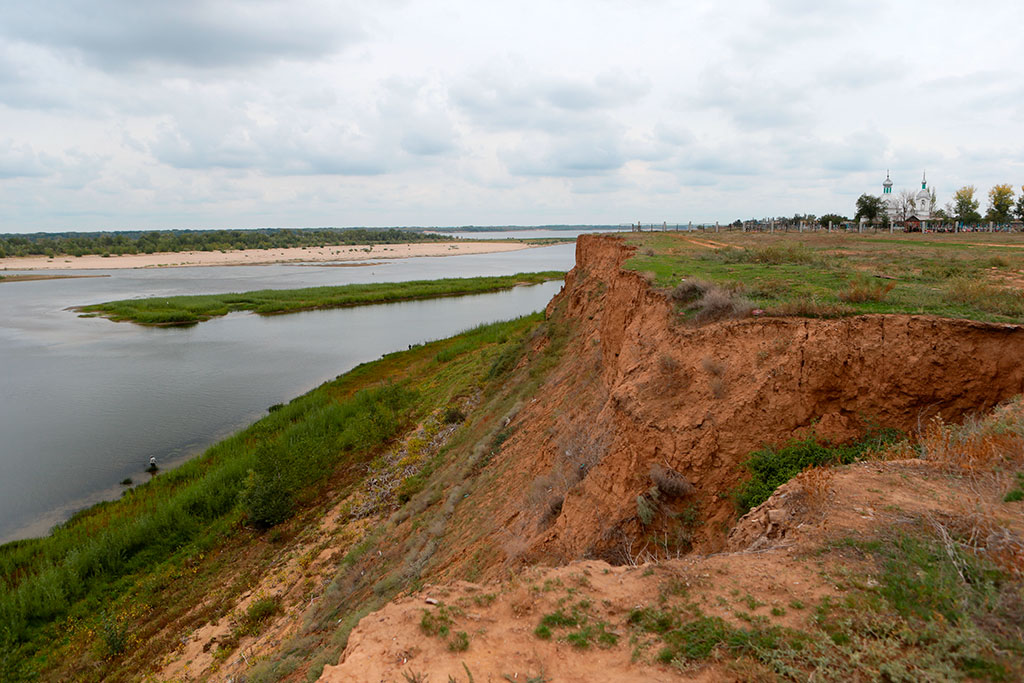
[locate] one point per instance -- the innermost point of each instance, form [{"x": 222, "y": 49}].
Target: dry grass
[
  {"x": 862, "y": 290},
  {"x": 671, "y": 483},
  {"x": 817, "y": 485},
  {"x": 809, "y": 307},
  {"x": 708, "y": 302},
  {"x": 985, "y": 455}
]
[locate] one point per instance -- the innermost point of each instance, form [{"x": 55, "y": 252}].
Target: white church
[{"x": 920, "y": 209}]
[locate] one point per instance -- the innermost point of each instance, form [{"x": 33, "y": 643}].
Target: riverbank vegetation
[
  {"x": 161, "y": 241},
  {"x": 189, "y": 310},
  {"x": 820, "y": 275},
  {"x": 118, "y": 584}
]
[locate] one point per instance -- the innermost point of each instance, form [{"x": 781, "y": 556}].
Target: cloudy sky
[{"x": 121, "y": 114}]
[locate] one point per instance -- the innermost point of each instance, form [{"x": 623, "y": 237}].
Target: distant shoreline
[
  {"x": 252, "y": 257},
  {"x": 22, "y": 277}
]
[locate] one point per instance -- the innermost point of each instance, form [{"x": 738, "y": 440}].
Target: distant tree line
[
  {"x": 149, "y": 242},
  {"x": 963, "y": 208}
]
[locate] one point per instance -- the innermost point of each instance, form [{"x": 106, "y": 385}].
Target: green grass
[
  {"x": 771, "y": 467},
  {"x": 819, "y": 275},
  {"x": 167, "y": 545},
  {"x": 189, "y": 310},
  {"x": 920, "y": 610},
  {"x": 581, "y": 629}
]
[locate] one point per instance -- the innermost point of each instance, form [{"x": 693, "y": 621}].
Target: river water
[{"x": 85, "y": 402}]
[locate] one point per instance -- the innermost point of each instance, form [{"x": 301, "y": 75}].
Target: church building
[{"x": 920, "y": 209}]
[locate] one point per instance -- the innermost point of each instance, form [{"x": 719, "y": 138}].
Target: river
[{"x": 85, "y": 402}]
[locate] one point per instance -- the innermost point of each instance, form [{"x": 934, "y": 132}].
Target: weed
[
  {"x": 256, "y": 616},
  {"x": 862, "y": 289},
  {"x": 436, "y": 622},
  {"x": 647, "y": 505},
  {"x": 459, "y": 642},
  {"x": 751, "y": 602}
]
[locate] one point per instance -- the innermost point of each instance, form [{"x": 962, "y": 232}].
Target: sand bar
[{"x": 252, "y": 257}]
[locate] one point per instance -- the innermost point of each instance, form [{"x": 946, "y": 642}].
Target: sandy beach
[{"x": 251, "y": 257}]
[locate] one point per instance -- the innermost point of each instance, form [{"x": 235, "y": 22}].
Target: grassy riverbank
[
  {"x": 818, "y": 275},
  {"x": 189, "y": 310},
  {"x": 99, "y": 597}
]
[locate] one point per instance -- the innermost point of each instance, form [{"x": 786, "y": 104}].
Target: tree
[
  {"x": 1000, "y": 201},
  {"x": 869, "y": 208},
  {"x": 904, "y": 205},
  {"x": 833, "y": 218},
  {"x": 965, "y": 206},
  {"x": 1019, "y": 209}
]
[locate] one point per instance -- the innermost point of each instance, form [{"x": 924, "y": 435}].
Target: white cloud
[{"x": 230, "y": 113}]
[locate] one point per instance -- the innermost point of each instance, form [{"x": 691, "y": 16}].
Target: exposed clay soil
[
  {"x": 637, "y": 388},
  {"x": 773, "y": 555}
]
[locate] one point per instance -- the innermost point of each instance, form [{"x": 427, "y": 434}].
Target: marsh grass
[{"x": 190, "y": 310}]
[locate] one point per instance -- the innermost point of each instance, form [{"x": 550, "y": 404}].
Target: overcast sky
[{"x": 125, "y": 114}]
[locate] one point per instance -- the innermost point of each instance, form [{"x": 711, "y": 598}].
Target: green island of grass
[{"x": 190, "y": 310}]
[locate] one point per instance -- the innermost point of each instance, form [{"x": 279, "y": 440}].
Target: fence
[{"x": 789, "y": 225}]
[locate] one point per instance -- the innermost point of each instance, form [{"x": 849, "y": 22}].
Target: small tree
[
  {"x": 833, "y": 218},
  {"x": 869, "y": 208},
  {"x": 904, "y": 205},
  {"x": 1019, "y": 209},
  {"x": 965, "y": 206},
  {"x": 1000, "y": 202}
]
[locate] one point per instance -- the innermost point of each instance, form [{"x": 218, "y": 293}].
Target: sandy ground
[{"x": 250, "y": 257}]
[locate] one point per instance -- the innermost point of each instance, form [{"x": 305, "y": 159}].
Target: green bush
[{"x": 772, "y": 467}]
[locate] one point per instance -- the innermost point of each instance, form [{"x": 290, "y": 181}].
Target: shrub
[
  {"x": 670, "y": 482},
  {"x": 410, "y": 486},
  {"x": 453, "y": 415},
  {"x": 256, "y": 615},
  {"x": 689, "y": 291},
  {"x": 265, "y": 498},
  {"x": 647, "y": 505},
  {"x": 773, "y": 467}
]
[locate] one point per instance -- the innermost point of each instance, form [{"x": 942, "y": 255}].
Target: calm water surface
[{"x": 84, "y": 403}]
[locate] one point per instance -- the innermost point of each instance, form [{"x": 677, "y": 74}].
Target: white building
[{"x": 920, "y": 205}]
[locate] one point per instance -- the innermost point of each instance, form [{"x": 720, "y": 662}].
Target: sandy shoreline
[{"x": 252, "y": 257}]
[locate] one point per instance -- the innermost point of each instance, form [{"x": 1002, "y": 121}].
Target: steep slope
[
  {"x": 882, "y": 570},
  {"x": 637, "y": 389},
  {"x": 581, "y": 467}
]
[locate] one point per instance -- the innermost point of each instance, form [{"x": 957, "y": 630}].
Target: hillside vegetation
[{"x": 116, "y": 586}]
